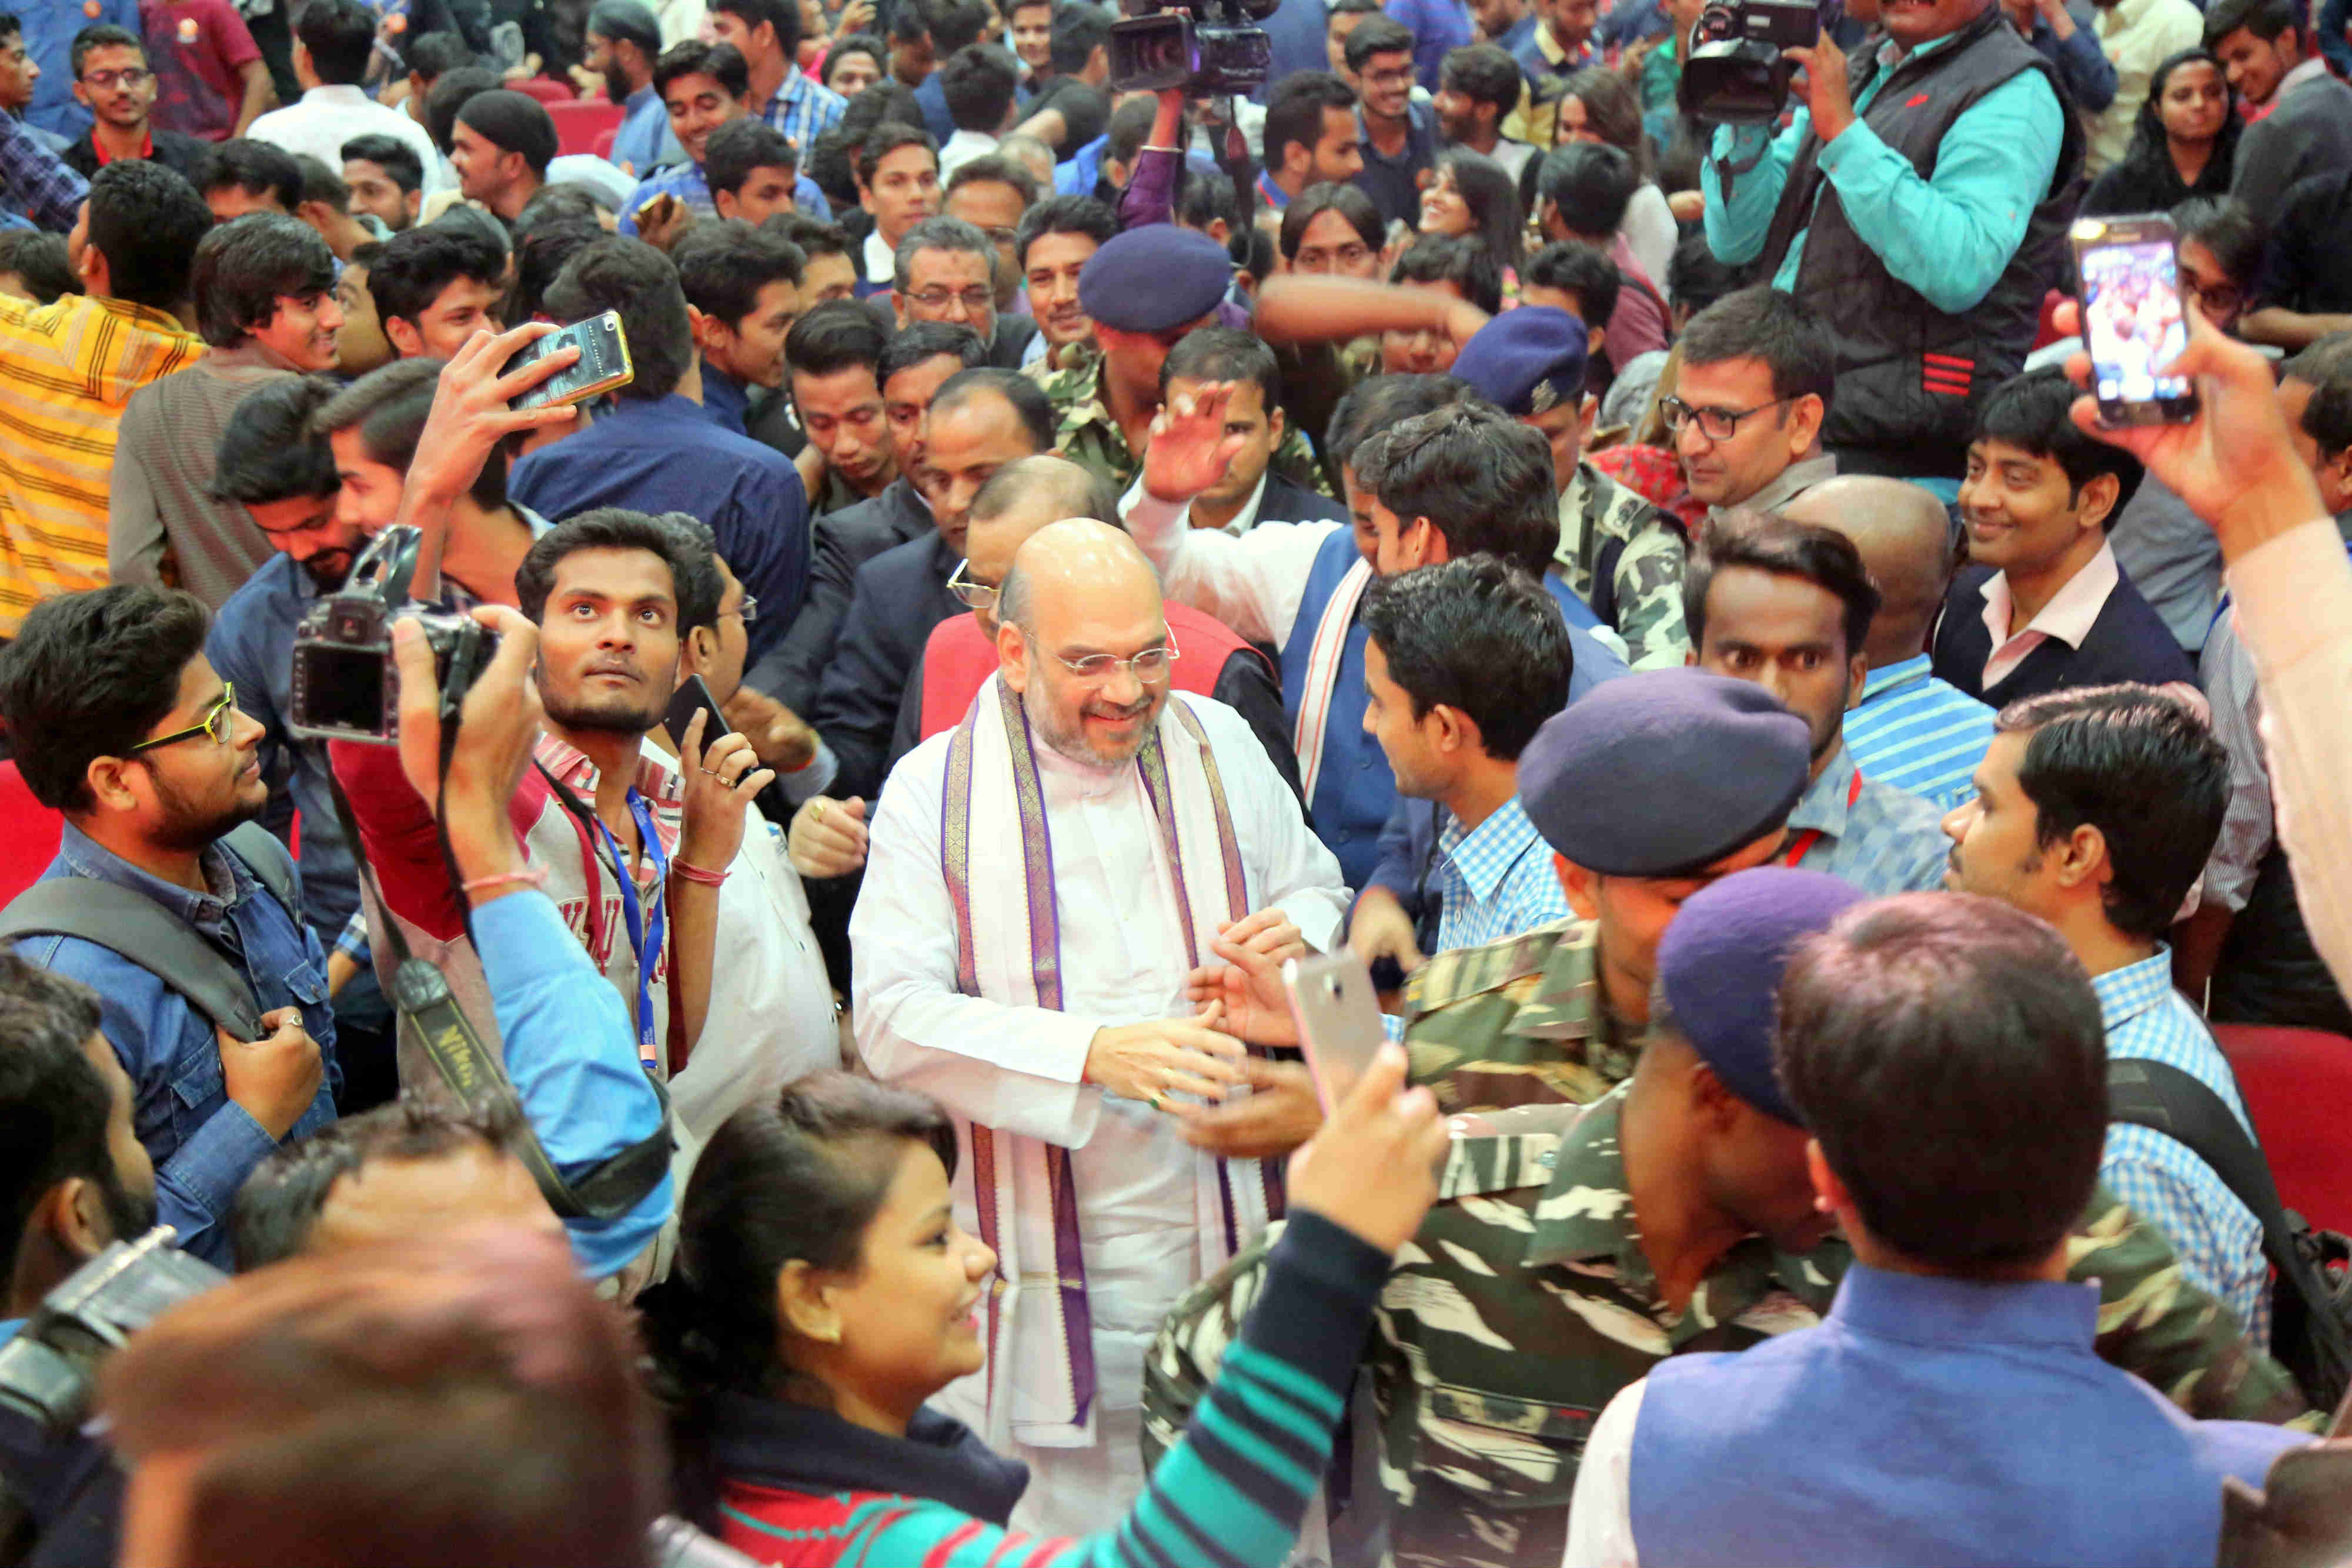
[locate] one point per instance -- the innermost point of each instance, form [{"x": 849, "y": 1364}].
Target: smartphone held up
[
  {"x": 602, "y": 365},
  {"x": 2135, "y": 319}
]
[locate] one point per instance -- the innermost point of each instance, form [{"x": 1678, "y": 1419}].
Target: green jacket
[
  {"x": 1624, "y": 557},
  {"x": 1087, "y": 433},
  {"x": 1515, "y": 1022}
]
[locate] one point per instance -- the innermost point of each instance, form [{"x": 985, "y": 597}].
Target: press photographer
[{"x": 1917, "y": 203}]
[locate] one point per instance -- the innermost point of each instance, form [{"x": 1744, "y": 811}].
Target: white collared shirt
[
  {"x": 2069, "y": 615},
  {"x": 327, "y": 117}
]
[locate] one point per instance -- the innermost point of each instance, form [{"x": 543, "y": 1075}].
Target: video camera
[
  {"x": 1209, "y": 48},
  {"x": 346, "y": 684},
  {"x": 1735, "y": 73}
]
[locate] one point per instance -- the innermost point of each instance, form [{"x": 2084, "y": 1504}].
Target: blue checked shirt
[
  {"x": 1495, "y": 880},
  {"x": 687, "y": 182},
  {"x": 803, "y": 110},
  {"x": 1879, "y": 839},
  {"x": 34, "y": 182},
  {"x": 2219, "y": 1239},
  {"x": 1919, "y": 734}
]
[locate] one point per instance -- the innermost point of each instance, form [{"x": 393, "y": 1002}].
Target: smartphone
[
  {"x": 692, "y": 697},
  {"x": 2134, "y": 317},
  {"x": 603, "y": 364},
  {"x": 1339, "y": 1017}
]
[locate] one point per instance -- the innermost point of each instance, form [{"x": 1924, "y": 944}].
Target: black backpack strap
[
  {"x": 136, "y": 927},
  {"x": 269, "y": 861},
  {"x": 2308, "y": 1330}
]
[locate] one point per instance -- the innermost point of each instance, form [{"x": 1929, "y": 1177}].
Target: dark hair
[
  {"x": 1063, "y": 216},
  {"x": 246, "y": 265},
  {"x": 944, "y": 233},
  {"x": 415, "y": 265},
  {"x": 564, "y": 199},
  {"x": 1382, "y": 35},
  {"x": 2325, "y": 366},
  {"x": 1083, "y": 492},
  {"x": 88, "y": 675},
  {"x": 1764, "y": 323},
  {"x": 813, "y": 235},
  {"x": 1482, "y": 479},
  {"x": 828, "y": 162},
  {"x": 978, "y": 82},
  {"x": 1330, "y": 196},
  {"x": 1478, "y": 635},
  {"x": 835, "y": 336},
  {"x": 1349, "y": 8},
  {"x": 783, "y": 15},
  {"x": 1457, "y": 259},
  {"x": 1484, "y": 73},
  {"x": 1784, "y": 547},
  {"x": 1948, "y": 1053},
  {"x": 887, "y": 99},
  {"x": 2151, "y": 147},
  {"x": 448, "y": 94},
  {"x": 1493, "y": 198},
  {"x": 434, "y": 55},
  {"x": 2225, "y": 227},
  {"x": 389, "y": 406},
  {"x": 1130, "y": 124},
  {"x": 907, "y": 23},
  {"x": 910, "y": 346},
  {"x": 280, "y": 1202},
  {"x": 1695, "y": 278},
  {"x": 722, "y": 266},
  {"x": 541, "y": 251},
  {"x": 1376, "y": 402},
  {"x": 270, "y": 451},
  {"x": 1592, "y": 183},
  {"x": 2034, "y": 412},
  {"x": 1612, "y": 110},
  {"x": 955, "y": 24},
  {"x": 722, "y": 63},
  {"x": 692, "y": 583},
  {"x": 1078, "y": 32},
  {"x": 320, "y": 184},
  {"x": 1030, "y": 403},
  {"x": 42, "y": 261},
  {"x": 887, "y": 138},
  {"x": 2137, "y": 764},
  {"x": 1295, "y": 112},
  {"x": 147, "y": 222},
  {"x": 625, "y": 22},
  {"x": 735, "y": 149},
  {"x": 994, "y": 169},
  {"x": 866, "y": 43},
  {"x": 256, "y": 168},
  {"x": 10, "y": 26},
  {"x": 1581, "y": 269},
  {"x": 513, "y": 123},
  {"x": 340, "y": 37},
  {"x": 99, "y": 36},
  {"x": 53, "y": 1100},
  {"x": 1224, "y": 354},
  {"x": 634, "y": 278},
  {"x": 2266, "y": 20}
]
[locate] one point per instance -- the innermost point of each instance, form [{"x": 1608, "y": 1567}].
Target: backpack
[{"x": 2311, "y": 1290}]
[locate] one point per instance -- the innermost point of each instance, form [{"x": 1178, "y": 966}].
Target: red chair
[
  {"x": 31, "y": 842},
  {"x": 2296, "y": 1083},
  {"x": 605, "y": 141},
  {"x": 547, "y": 89},
  {"x": 580, "y": 121}
]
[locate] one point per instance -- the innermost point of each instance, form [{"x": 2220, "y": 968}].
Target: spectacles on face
[
  {"x": 131, "y": 76},
  {"x": 219, "y": 722},
  {"x": 749, "y": 610},
  {"x": 2218, "y": 299},
  {"x": 969, "y": 594},
  {"x": 1150, "y": 667},
  {"x": 976, "y": 298},
  {"x": 1715, "y": 424}
]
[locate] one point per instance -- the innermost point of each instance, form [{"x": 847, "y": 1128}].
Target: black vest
[{"x": 1910, "y": 378}]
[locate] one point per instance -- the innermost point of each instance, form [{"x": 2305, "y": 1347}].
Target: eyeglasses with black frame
[
  {"x": 218, "y": 723},
  {"x": 1715, "y": 424}
]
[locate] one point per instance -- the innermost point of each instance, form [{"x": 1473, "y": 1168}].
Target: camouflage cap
[
  {"x": 1662, "y": 772},
  {"x": 1720, "y": 965}
]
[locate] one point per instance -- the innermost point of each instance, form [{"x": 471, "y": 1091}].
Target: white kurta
[{"x": 1017, "y": 1069}]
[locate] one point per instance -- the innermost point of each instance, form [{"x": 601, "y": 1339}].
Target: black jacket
[
  {"x": 2129, "y": 642},
  {"x": 180, "y": 153},
  {"x": 895, "y": 601},
  {"x": 797, "y": 1447},
  {"x": 845, "y": 541},
  {"x": 1284, "y": 502}
]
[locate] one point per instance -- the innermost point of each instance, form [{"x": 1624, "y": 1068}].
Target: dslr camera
[
  {"x": 346, "y": 687},
  {"x": 1733, "y": 72},
  {"x": 49, "y": 1370},
  {"x": 1209, "y": 48}
]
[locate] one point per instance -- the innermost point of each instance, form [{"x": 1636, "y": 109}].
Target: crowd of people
[{"x": 704, "y": 971}]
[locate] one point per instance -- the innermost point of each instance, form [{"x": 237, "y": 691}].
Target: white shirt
[
  {"x": 1601, "y": 1511},
  {"x": 966, "y": 145},
  {"x": 2136, "y": 36},
  {"x": 1651, "y": 231},
  {"x": 1017, "y": 1069},
  {"x": 1251, "y": 581},
  {"x": 327, "y": 117}
]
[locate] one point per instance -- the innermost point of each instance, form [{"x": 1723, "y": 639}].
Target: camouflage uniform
[
  {"x": 1524, "y": 1304},
  {"x": 1625, "y": 557},
  {"x": 1515, "y": 1022},
  {"x": 1087, "y": 433}
]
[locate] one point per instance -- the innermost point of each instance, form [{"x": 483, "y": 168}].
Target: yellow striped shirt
[{"x": 66, "y": 370}]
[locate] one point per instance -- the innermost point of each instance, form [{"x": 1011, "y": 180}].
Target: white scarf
[{"x": 1323, "y": 657}]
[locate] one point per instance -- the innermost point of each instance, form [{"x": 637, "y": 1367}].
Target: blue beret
[
  {"x": 1720, "y": 965},
  {"x": 1528, "y": 360},
  {"x": 1662, "y": 772},
  {"x": 1154, "y": 277}
]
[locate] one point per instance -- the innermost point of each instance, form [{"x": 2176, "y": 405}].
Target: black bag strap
[
  {"x": 136, "y": 927},
  {"x": 2308, "y": 1332}
]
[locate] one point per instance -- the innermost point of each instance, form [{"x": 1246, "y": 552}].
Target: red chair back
[
  {"x": 579, "y": 123},
  {"x": 31, "y": 842},
  {"x": 2296, "y": 1083},
  {"x": 547, "y": 89}
]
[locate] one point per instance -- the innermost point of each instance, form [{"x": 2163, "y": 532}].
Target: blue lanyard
[{"x": 644, "y": 936}]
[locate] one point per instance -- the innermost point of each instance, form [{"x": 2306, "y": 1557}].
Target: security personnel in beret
[
  {"x": 1623, "y": 555},
  {"x": 1145, "y": 289},
  {"x": 1534, "y": 1293}
]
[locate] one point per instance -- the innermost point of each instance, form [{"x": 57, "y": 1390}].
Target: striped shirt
[
  {"x": 1497, "y": 880},
  {"x": 1919, "y": 734},
  {"x": 72, "y": 367},
  {"x": 2218, "y": 1237}
]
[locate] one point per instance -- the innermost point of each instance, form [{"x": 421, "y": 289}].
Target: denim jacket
[{"x": 204, "y": 1145}]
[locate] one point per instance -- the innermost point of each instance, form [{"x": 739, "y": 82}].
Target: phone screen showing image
[{"x": 2134, "y": 321}]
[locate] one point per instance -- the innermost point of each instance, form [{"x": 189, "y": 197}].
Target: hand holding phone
[
  {"x": 692, "y": 697},
  {"x": 1339, "y": 1015},
  {"x": 604, "y": 362},
  {"x": 2135, "y": 319}
]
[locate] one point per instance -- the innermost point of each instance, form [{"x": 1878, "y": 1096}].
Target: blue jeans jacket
[{"x": 204, "y": 1144}]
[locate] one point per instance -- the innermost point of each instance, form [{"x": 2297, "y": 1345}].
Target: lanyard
[
  {"x": 645, "y": 935},
  {"x": 1811, "y": 836}
]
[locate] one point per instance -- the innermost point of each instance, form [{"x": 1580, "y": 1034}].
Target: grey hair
[{"x": 939, "y": 233}]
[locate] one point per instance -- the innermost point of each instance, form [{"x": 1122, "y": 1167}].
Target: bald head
[
  {"x": 1078, "y": 568},
  {"x": 1904, "y": 536},
  {"x": 1084, "y": 640},
  {"x": 1020, "y": 498}
]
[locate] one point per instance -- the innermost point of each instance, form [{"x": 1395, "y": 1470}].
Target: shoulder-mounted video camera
[
  {"x": 1734, "y": 73},
  {"x": 1208, "y": 48},
  {"x": 346, "y": 687}
]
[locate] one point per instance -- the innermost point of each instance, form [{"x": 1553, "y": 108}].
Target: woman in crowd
[
  {"x": 2183, "y": 145},
  {"x": 1471, "y": 196},
  {"x": 855, "y": 63},
  {"x": 825, "y": 1291},
  {"x": 1597, "y": 105}
]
